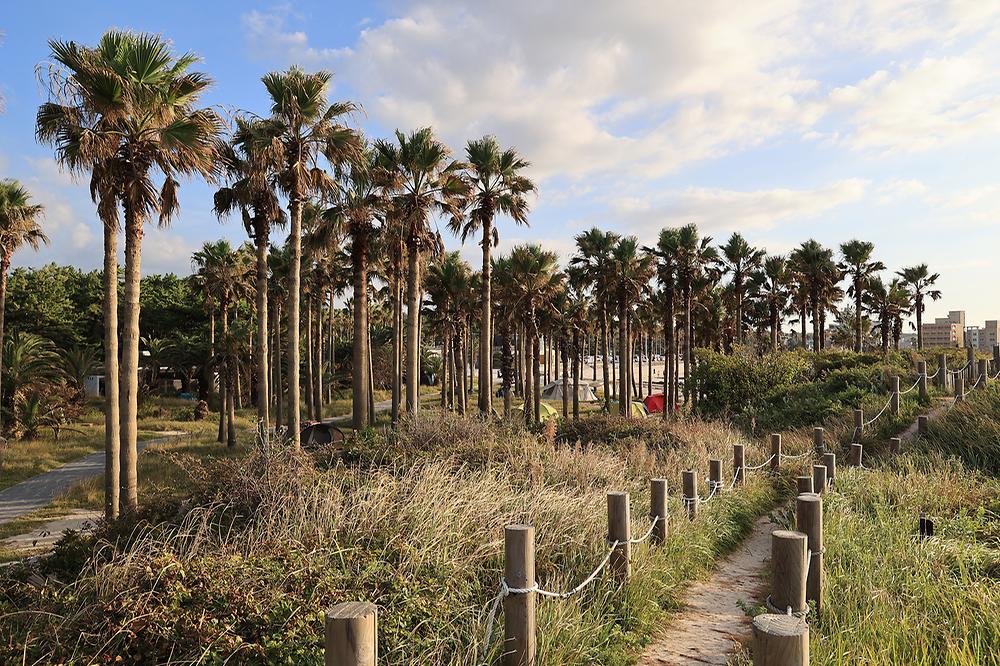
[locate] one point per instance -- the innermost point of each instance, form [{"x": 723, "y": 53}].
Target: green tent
[
  {"x": 637, "y": 409},
  {"x": 547, "y": 411}
]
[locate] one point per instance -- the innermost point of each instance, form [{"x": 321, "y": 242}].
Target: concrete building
[
  {"x": 983, "y": 338},
  {"x": 945, "y": 331}
]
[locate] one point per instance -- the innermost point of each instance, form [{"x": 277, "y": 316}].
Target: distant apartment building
[
  {"x": 945, "y": 331},
  {"x": 984, "y": 338}
]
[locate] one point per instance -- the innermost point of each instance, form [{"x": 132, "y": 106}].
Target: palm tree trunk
[
  {"x": 4, "y": 268},
  {"x": 318, "y": 356},
  {"x": 565, "y": 378},
  {"x": 774, "y": 326},
  {"x": 638, "y": 393},
  {"x": 605, "y": 351},
  {"x": 263, "y": 395},
  {"x": 462, "y": 377},
  {"x": 919, "y": 307},
  {"x": 453, "y": 369},
  {"x": 129, "y": 396},
  {"x": 687, "y": 343},
  {"x": 624, "y": 362},
  {"x": 371, "y": 371},
  {"x": 486, "y": 326},
  {"x": 232, "y": 370},
  {"x": 361, "y": 352},
  {"x": 332, "y": 337},
  {"x": 536, "y": 394},
  {"x": 310, "y": 411},
  {"x": 397, "y": 339},
  {"x": 857, "y": 317},
  {"x": 802, "y": 323},
  {"x": 294, "y": 286},
  {"x": 224, "y": 377},
  {"x": 112, "y": 432},
  {"x": 576, "y": 375},
  {"x": 412, "y": 328},
  {"x": 508, "y": 370}
]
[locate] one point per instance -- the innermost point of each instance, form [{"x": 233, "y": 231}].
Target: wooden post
[
  {"x": 715, "y": 474},
  {"x": 942, "y": 375},
  {"x": 895, "y": 445},
  {"x": 775, "y": 452},
  {"x": 959, "y": 388},
  {"x": 984, "y": 370},
  {"x": 809, "y": 521},
  {"x": 922, "y": 423},
  {"x": 689, "y": 477},
  {"x": 804, "y": 484},
  {"x": 854, "y": 455},
  {"x": 819, "y": 479},
  {"x": 351, "y": 634},
  {"x": 894, "y": 401},
  {"x": 859, "y": 423},
  {"x": 620, "y": 530},
  {"x": 818, "y": 441},
  {"x": 789, "y": 553},
  {"x": 780, "y": 640},
  {"x": 922, "y": 380},
  {"x": 658, "y": 509},
  {"x": 926, "y": 527},
  {"x": 739, "y": 462},
  {"x": 830, "y": 461},
  {"x": 519, "y": 644},
  {"x": 996, "y": 359},
  {"x": 970, "y": 361}
]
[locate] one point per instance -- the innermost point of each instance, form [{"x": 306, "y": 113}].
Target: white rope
[
  {"x": 736, "y": 475},
  {"x": 978, "y": 379},
  {"x": 796, "y": 457},
  {"x": 996, "y": 376},
  {"x": 881, "y": 412},
  {"x": 656, "y": 520},
  {"x": 962, "y": 369},
  {"x": 763, "y": 464},
  {"x": 915, "y": 384},
  {"x": 936, "y": 373},
  {"x": 715, "y": 488}
]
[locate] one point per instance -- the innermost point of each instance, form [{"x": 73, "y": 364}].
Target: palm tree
[
  {"x": 448, "y": 282},
  {"x": 428, "y": 182},
  {"x": 250, "y": 191},
  {"x": 858, "y": 265},
  {"x": 125, "y": 112},
  {"x": 594, "y": 258},
  {"x": 497, "y": 186},
  {"x": 303, "y": 125},
  {"x": 632, "y": 270},
  {"x": 19, "y": 226},
  {"x": 816, "y": 269},
  {"x": 919, "y": 280},
  {"x": 773, "y": 282},
  {"x": 360, "y": 203},
  {"x": 740, "y": 260},
  {"x": 694, "y": 254},
  {"x": 888, "y": 305},
  {"x": 667, "y": 254}
]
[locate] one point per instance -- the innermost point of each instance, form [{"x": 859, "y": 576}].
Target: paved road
[{"x": 39, "y": 491}]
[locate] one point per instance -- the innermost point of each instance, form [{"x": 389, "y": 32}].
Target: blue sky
[{"x": 782, "y": 120}]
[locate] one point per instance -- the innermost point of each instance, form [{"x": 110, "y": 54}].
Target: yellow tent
[
  {"x": 637, "y": 409},
  {"x": 547, "y": 411}
]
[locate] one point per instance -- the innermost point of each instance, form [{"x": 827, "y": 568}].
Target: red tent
[{"x": 654, "y": 403}]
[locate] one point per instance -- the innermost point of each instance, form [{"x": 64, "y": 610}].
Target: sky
[{"x": 783, "y": 120}]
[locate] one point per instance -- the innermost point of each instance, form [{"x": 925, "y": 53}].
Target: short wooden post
[
  {"x": 830, "y": 460},
  {"x": 942, "y": 375},
  {"x": 351, "y": 630},
  {"x": 984, "y": 370},
  {"x": 922, "y": 380},
  {"x": 689, "y": 479},
  {"x": 739, "y": 463},
  {"x": 818, "y": 444},
  {"x": 894, "y": 400},
  {"x": 715, "y": 475},
  {"x": 775, "y": 452},
  {"x": 804, "y": 484},
  {"x": 789, "y": 552},
  {"x": 859, "y": 423},
  {"x": 819, "y": 479},
  {"x": 854, "y": 455},
  {"x": 780, "y": 640},
  {"x": 895, "y": 445},
  {"x": 658, "y": 509},
  {"x": 519, "y": 644},
  {"x": 620, "y": 531},
  {"x": 996, "y": 359},
  {"x": 959, "y": 388},
  {"x": 926, "y": 527},
  {"x": 922, "y": 423},
  {"x": 970, "y": 362},
  {"x": 809, "y": 521}
]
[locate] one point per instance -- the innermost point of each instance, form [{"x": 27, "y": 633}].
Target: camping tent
[
  {"x": 654, "y": 403},
  {"x": 554, "y": 391},
  {"x": 637, "y": 409},
  {"x": 547, "y": 412}
]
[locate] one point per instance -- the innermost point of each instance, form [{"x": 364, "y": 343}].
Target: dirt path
[{"x": 712, "y": 622}]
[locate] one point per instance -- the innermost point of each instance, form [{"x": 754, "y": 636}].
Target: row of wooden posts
[{"x": 781, "y": 638}]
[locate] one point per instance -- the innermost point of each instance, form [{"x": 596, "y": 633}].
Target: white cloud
[
  {"x": 895, "y": 189},
  {"x": 715, "y": 210}
]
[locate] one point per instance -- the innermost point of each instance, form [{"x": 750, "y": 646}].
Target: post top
[
  {"x": 789, "y": 534},
  {"x": 617, "y": 493},
  {"x": 812, "y": 498},
  {"x": 780, "y": 625},
  {"x": 822, "y": 467},
  {"x": 519, "y": 528},
  {"x": 350, "y": 610}
]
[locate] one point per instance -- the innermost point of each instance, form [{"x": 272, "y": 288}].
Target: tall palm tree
[
  {"x": 694, "y": 254},
  {"x": 497, "y": 186},
  {"x": 448, "y": 281},
  {"x": 632, "y": 269},
  {"x": 920, "y": 280},
  {"x": 250, "y": 191},
  {"x": 359, "y": 205},
  {"x": 815, "y": 267},
  {"x": 593, "y": 256},
  {"x": 428, "y": 182},
  {"x": 740, "y": 259},
  {"x": 19, "y": 227},
  {"x": 125, "y": 112},
  {"x": 773, "y": 282},
  {"x": 858, "y": 265}
]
